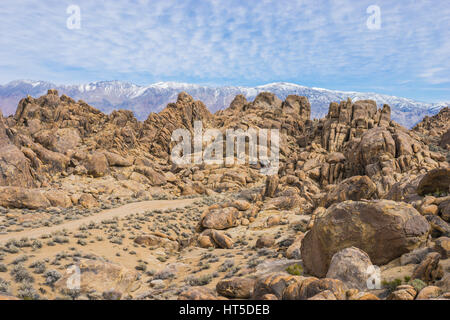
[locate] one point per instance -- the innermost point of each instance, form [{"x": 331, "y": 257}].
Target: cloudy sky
[{"x": 331, "y": 44}]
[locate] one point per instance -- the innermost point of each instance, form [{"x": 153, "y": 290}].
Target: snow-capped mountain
[{"x": 110, "y": 95}]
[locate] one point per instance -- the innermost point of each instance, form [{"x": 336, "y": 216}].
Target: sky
[{"x": 399, "y": 48}]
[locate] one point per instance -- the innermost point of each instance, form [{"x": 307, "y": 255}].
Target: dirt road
[{"x": 119, "y": 212}]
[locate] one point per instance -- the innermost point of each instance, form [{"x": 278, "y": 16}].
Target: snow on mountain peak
[{"x": 110, "y": 95}]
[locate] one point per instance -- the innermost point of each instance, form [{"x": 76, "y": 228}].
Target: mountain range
[{"x": 142, "y": 100}]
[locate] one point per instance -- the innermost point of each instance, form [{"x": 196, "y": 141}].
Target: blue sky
[{"x": 247, "y": 42}]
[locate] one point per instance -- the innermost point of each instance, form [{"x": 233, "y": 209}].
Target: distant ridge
[{"x": 142, "y": 100}]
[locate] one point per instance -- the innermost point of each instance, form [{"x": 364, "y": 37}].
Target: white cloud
[{"x": 237, "y": 40}]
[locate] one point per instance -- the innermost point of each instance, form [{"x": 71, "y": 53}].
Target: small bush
[
  {"x": 27, "y": 292},
  {"x": 21, "y": 274},
  {"x": 295, "y": 270},
  {"x": 391, "y": 285},
  {"x": 417, "y": 284},
  {"x": 51, "y": 277},
  {"x": 4, "y": 286},
  {"x": 199, "y": 281}
]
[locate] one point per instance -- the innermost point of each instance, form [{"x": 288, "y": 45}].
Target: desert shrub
[
  {"x": 199, "y": 281},
  {"x": 38, "y": 266},
  {"x": 417, "y": 284},
  {"x": 52, "y": 276},
  {"x": 391, "y": 285},
  {"x": 27, "y": 292},
  {"x": 21, "y": 274},
  {"x": 295, "y": 270},
  {"x": 20, "y": 259},
  {"x": 4, "y": 286}
]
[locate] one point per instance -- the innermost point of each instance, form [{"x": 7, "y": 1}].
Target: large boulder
[
  {"x": 16, "y": 197},
  {"x": 220, "y": 219},
  {"x": 437, "y": 180},
  {"x": 383, "y": 229},
  {"x": 351, "y": 266},
  {"x": 355, "y": 188},
  {"x": 60, "y": 140},
  {"x": 97, "y": 164},
  {"x": 100, "y": 277},
  {"x": 236, "y": 288},
  {"x": 199, "y": 293}
]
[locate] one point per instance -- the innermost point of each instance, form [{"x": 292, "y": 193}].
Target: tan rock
[
  {"x": 220, "y": 219},
  {"x": 435, "y": 180},
  {"x": 100, "y": 276},
  {"x": 367, "y": 225},
  {"x": 429, "y": 292},
  {"x": 350, "y": 266},
  {"x": 236, "y": 288},
  {"x": 15, "y": 197},
  {"x": 97, "y": 164},
  {"x": 87, "y": 201}
]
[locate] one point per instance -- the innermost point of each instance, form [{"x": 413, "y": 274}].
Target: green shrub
[
  {"x": 417, "y": 284},
  {"x": 391, "y": 285},
  {"x": 295, "y": 270}
]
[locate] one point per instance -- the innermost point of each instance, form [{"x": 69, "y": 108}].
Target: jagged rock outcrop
[
  {"x": 432, "y": 128},
  {"x": 14, "y": 166},
  {"x": 158, "y": 128}
]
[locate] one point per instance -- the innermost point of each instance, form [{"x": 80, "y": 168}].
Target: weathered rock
[
  {"x": 58, "y": 199},
  {"x": 383, "y": 229},
  {"x": 236, "y": 288},
  {"x": 221, "y": 240},
  {"x": 198, "y": 293},
  {"x": 15, "y": 197},
  {"x": 414, "y": 257},
  {"x": 87, "y": 201},
  {"x": 155, "y": 178},
  {"x": 116, "y": 160},
  {"x": 221, "y": 219},
  {"x": 351, "y": 266},
  {"x": 97, "y": 164},
  {"x": 274, "y": 283},
  {"x": 404, "y": 293},
  {"x": 445, "y": 140},
  {"x": 429, "y": 269},
  {"x": 100, "y": 276},
  {"x": 429, "y": 292},
  {"x": 324, "y": 295},
  {"x": 14, "y": 167},
  {"x": 337, "y": 287},
  {"x": 157, "y": 240},
  {"x": 442, "y": 246},
  {"x": 439, "y": 227},
  {"x": 271, "y": 186},
  {"x": 265, "y": 241},
  {"x": 355, "y": 188},
  {"x": 435, "y": 180},
  {"x": 60, "y": 140}
]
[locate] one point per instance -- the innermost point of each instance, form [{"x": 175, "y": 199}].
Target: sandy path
[{"x": 120, "y": 212}]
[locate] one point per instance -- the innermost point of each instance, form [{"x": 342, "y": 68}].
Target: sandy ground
[{"x": 119, "y": 212}]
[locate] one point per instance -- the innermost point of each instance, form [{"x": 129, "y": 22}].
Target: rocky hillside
[{"x": 355, "y": 192}]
